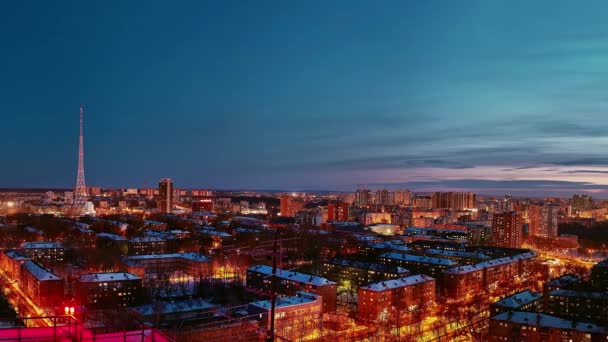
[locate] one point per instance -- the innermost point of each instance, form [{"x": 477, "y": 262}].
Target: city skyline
[{"x": 483, "y": 97}]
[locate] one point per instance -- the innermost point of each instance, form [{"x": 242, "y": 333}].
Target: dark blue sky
[{"x": 493, "y": 96}]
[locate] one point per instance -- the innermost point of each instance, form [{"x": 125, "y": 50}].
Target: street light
[{"x": 69, "y": 310}]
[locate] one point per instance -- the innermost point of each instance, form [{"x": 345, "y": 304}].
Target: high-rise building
[
  {"x": 289, "y": 205},
  {"x": 337, "y": 211},
  {"x": 453, "y": 200},
  {"x": 403, "y": 197},
  {"x": 581, "y": 202},
  {"x": 421, "y": 201},
  {"x": 507, "y": 229},
  {"x": 165, "y": 195},
  {"x": 362, "y": 197},
  {"x": 542, "y": 220},
  {"x": 285, "y": 204},
  {"x": 384, "y": 197}
]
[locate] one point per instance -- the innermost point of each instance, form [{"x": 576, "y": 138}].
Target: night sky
[{"x": 489, "y": 96}]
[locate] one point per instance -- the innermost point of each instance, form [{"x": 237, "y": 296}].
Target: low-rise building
[
  {"x": 402, "y": 300},
  {"x": 109, "y": 290},
  {"x": 431, "y": 266},
  {"x": 10, "y": 262},
  {"x": 357, "y": 273},
  {"x": 259, "y": 278},
  {"x": 44, "y": 251},
  {"x": 170, "y": 274},
  {"x": 147, "y": 245},
  {"x": 579, "y": 305},
  {"x": 537, "y": 327},
  {"x": 522, "y": 301},
  {"x": 295, "y": 317},
  {"x": 44, "y": 287},
  {"x": 599, "y": 275}
]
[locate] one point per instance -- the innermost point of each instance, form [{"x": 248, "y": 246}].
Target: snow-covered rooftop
[
  {"x": 111, "y": 236},
  {"x": 16, "y": 255},
  {"x": 300, "y": 298},
  {"x": 542, "y": 320},
  {"x": 423, "y": 259},
  {"x": 41, "y": 273},
  {"x": 396, "y": 283},
  {"x": 519, "y": 299},
  {"x": 186, "y": 255},
  {"x": 581, "y": 294},
  {"x": 566, "y": 279},
  {"x": 490, "y": 263},
  {"x": 367, "y": 265},
  {"x": 457, "y": 254},
  {"x": 179, "y": 306},
  {"x": 41, "y": 244},
  {"x": 291, "y": 275},
  {"x": 213, "y": 232},
  {"x": 105, "y": 277},
  {"x": 146, "y": 239}
]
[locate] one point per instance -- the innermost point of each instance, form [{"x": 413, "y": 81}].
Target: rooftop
[
  {"x": 367, "y": 265},
  {"x": 566, "y": 279},
  {"x": 419, "y": 258},
  {"x": 457, "y": 254},
  {"x": 179, "y": 306},
  {"x": 299, "y": 298},
  {"x": 111, "y": 236},
  {"x": 291, "y": 275},
  {"x": 397, "y": 283},
  {"x": 580, "y": 294},
  {"x": 41, "y": 244},
  {"x": 146, "y": 239},
  {"x": 187, "y": 255},
  {"x": 519, "y": 299},
  {"x": 542, "y": 320},
  {"x": 112, "y": 276},
  {"x": 41, "y": 273}
]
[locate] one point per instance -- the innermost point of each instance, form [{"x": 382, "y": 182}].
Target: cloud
[{"x": 585, "y": 171}]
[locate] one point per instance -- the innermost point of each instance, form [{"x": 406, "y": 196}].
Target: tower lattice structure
[{"x": 80, "y": 192}]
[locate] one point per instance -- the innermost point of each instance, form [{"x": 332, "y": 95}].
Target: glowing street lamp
[{"x": 69, "y": 310}]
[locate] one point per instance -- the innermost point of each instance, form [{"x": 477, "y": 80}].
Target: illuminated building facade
[
  {"x": 295, "y": 317},
  {"x": 396, "y": 298},
  {"x": 147, "y": 245},
  {"x": 338, "y": 211},
  {"x": 432, "y": 266},
  {"x": 165, "y": 195},
  {"x": 371, "y": 218},
  {"x": 537, "y": 327},
  {"x": 44, "y": 251},
  {"x": 154, "y": 267},
  {"x": 109, "y": 290},
  {"x": 542, "y": 220},
  {"x": 363, "y": 198},
  {"x": 522, "y": 301},
  {"x": 403, "y": 197},
  {"x": 358, "y": 273},
  {"x": 453, "y": 200},
  {"x": 495, "y": 274},
  {"x": 507, "y": 229},
  {"x": 259, "y": 278},
  {"x": 10, "y": 262},
  {"x": 41, "y": 285},
  {"x": 580, "y": 305}
]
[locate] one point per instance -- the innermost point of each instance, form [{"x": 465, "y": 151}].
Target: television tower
[{"x": 80, "y": 192}]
